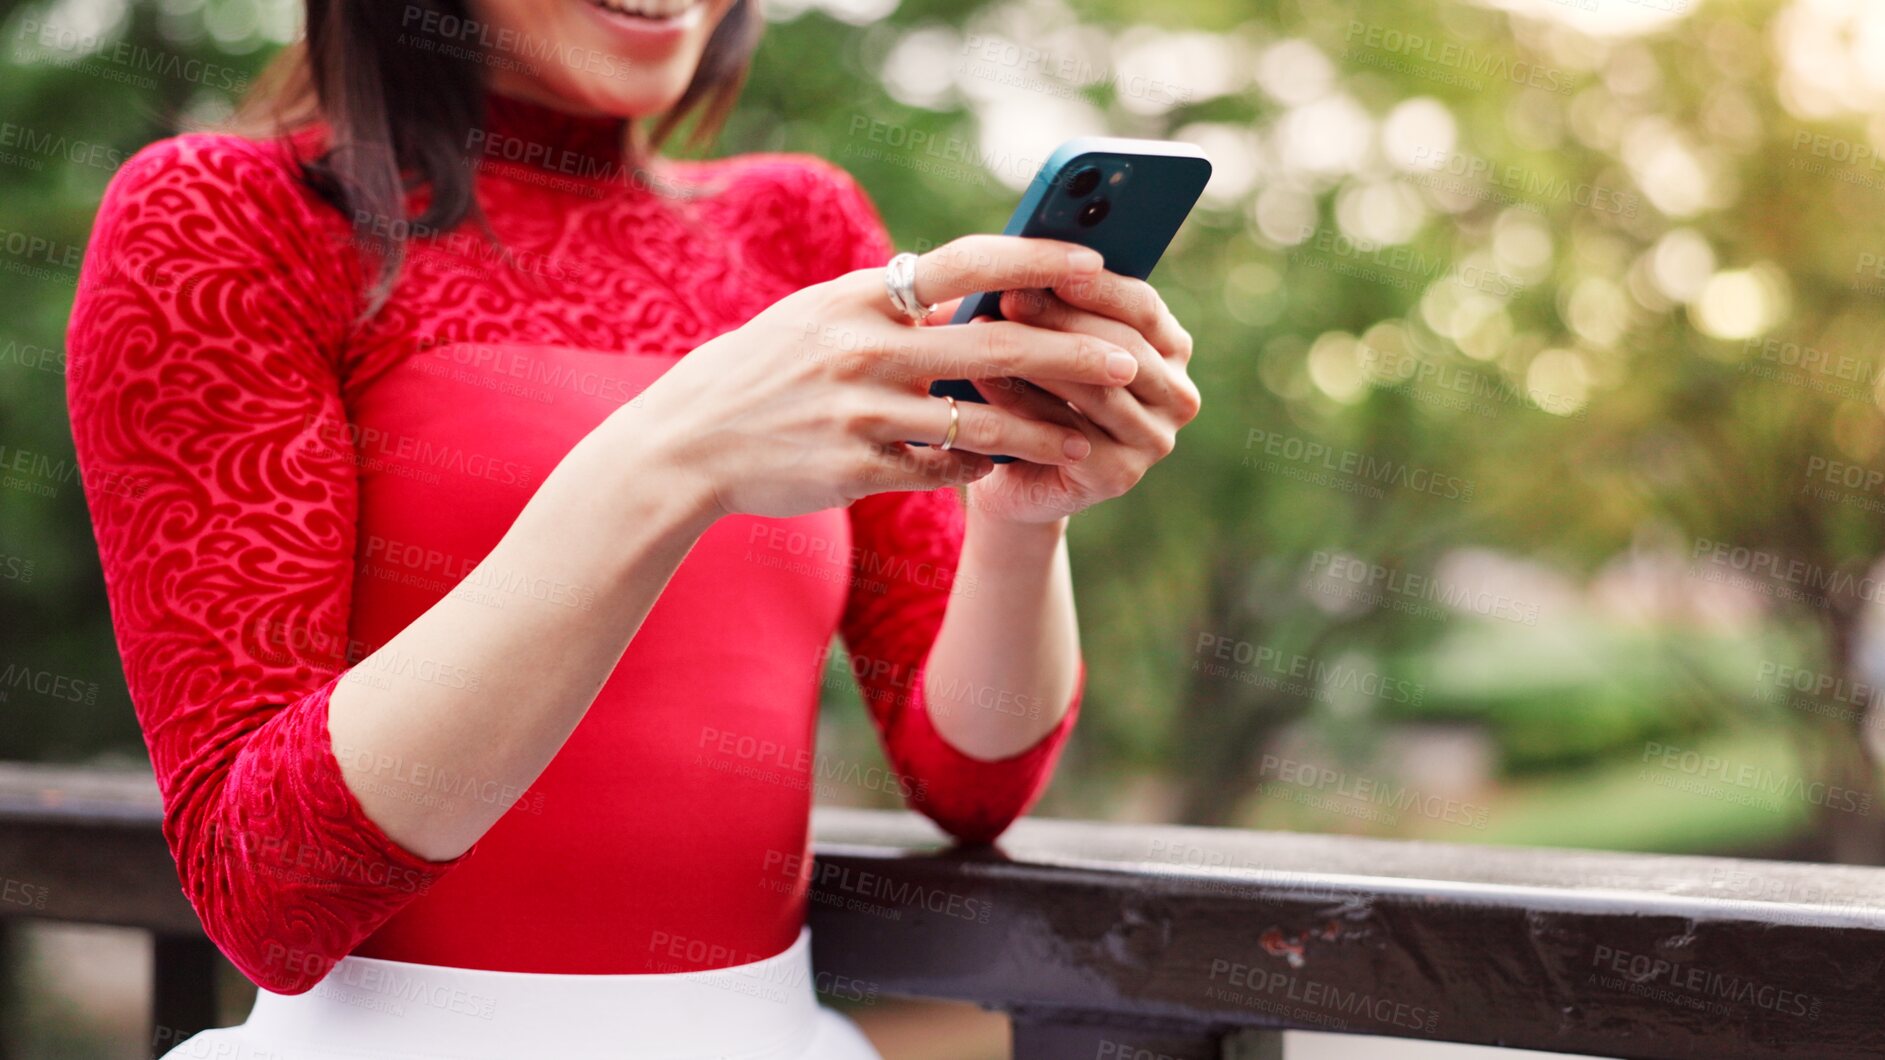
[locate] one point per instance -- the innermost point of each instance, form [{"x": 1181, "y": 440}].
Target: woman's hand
[
  {"x": 1130, "y": 428},
  {"x": 808, "y": 406}
]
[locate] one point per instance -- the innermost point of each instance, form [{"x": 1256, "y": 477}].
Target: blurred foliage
[{"x": 1491, "y": 306}]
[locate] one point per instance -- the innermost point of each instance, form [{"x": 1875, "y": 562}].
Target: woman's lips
[{"x": 648, "y": 22}]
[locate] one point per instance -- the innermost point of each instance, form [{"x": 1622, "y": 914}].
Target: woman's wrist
[
  {"x": 624, "y": 495},
  {"x": 1008, "y": 637},
  {"x": 652, "y": 468},
  {"x": 1007, "y": 542}
]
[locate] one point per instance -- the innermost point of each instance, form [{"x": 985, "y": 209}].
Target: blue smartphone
[{"x": 1123, "y": 198}]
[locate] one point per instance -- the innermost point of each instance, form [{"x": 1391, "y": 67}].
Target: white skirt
[{"x": 369, "y": 1008}]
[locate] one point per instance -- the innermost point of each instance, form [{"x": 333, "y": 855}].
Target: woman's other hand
[{"x": 1130, "y": 428}]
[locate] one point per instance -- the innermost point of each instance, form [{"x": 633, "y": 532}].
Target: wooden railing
[{"x": 1160, "y": 943}]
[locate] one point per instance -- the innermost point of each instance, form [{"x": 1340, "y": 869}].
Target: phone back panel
[{"x": 1147, "y": 188}]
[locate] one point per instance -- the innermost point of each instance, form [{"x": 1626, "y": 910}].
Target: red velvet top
[{"x": 278, "y": 488}]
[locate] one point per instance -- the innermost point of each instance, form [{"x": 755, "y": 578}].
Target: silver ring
[
  {"x": 955, "y": 421},
  {"x": 900, "y": 282}
]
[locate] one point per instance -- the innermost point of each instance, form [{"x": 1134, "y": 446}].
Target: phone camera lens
[
  {"x": 1094, "y": 212},
  {"x": 1083, "y": 182}
]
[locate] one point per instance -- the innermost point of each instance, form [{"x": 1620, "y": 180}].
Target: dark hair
[{"x": 401, "y": 88}]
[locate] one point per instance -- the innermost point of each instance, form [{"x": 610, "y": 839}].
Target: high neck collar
[{"x": 577, "y": 145}]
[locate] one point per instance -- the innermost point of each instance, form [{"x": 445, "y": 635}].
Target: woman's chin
[
  {"x": 622, "y": 58},
  {"x": 619, "y": 100},
  {"x": 641, "y": 96}
]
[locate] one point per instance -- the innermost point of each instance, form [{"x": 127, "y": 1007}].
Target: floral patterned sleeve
[{"x": 203, "y": 390}]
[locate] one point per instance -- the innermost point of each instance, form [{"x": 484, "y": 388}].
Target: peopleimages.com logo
[
  {"x": 1755, "y": 778},
  {"x": 1319, "y": 463}
]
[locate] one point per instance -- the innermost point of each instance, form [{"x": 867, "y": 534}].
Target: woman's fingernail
[
  {"x": 1085, "y": 259},
  {"x": 1076, "y": 447},
  {"x": 1122, "y": 365}
]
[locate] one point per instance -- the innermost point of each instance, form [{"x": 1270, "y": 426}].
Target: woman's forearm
[
  {"x": 1001, "y": 673},
  {"x": 602, "y": 536},
  {"x": 746, "y": 423}
]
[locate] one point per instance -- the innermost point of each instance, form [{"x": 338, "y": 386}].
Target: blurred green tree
[{"x": 1530, "y": 334}]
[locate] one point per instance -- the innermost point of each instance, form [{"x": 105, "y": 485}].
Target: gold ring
[{"x": 955, "y": 421}]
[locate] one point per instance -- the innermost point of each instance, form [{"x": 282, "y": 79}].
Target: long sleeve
[
  {"x": 212, "y": 442},
  {"x": 906, "y": 548}
]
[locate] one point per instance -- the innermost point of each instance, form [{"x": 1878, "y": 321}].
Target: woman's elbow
[
  {"x": 268, "y": 928},
  {"x": 254, "y": 941},
  {"x": 967, "y": 823},
  {"x": 280, "y": 968}
]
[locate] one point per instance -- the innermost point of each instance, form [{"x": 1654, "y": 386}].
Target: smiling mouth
[{"x": 650, "y": 10}]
